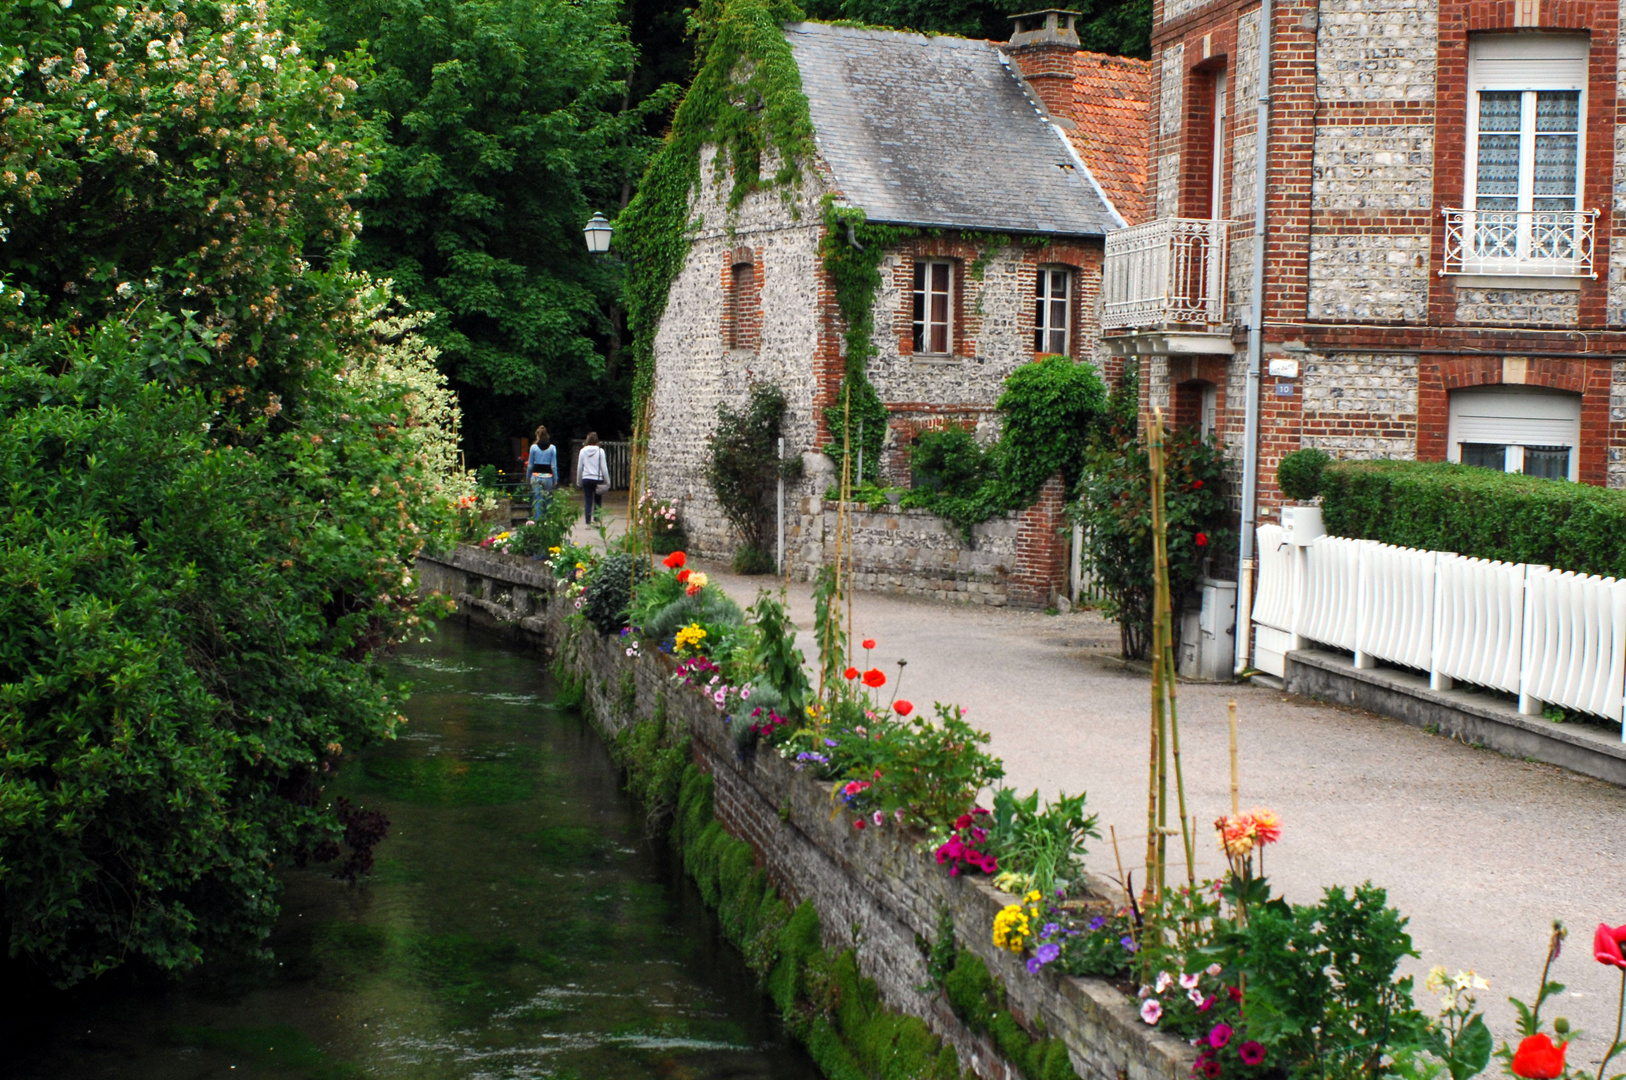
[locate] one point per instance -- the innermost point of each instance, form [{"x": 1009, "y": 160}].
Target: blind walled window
[{"x": 933, "y": 307}]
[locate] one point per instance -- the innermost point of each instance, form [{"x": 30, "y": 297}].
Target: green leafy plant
[
  {"x": 608, "y": 600},
  {"x": 949, "y": 459},
  {"x": 1036, "y": 849},
  {"x": 742, "y": 470},
  {"x": 1298, "y": 474},
  {"x": 1478, "y": 512},
  {"x": 1116, "y": 511},
  {"x": 1321, "y": 984},
  {"x": 775, "y": 657},
  {"x": 1458, "y": 1036}
]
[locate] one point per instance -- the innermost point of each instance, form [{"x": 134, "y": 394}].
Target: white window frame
[
  {"x": 1515, "y": 417},
  {"x": 1044, "y": 305},
  {"x": 921, "y": 328},
  {"x": 1528, "y": 63}
]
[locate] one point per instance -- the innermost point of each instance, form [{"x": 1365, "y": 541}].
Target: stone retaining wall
[
  {"x": 874, "y": 890},
  {"x": 1018, "y": 559}
]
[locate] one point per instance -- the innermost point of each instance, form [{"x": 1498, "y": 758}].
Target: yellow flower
[
  {"x": 690, "y": 637},
  {"x": 1011, "y": 929},
  {"x": 553, "y": 551}
]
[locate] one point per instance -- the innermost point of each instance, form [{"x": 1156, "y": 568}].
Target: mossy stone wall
[{"x": 875, "y": 892}]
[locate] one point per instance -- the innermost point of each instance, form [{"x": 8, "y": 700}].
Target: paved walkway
[{"x": 1480, "y": 850}]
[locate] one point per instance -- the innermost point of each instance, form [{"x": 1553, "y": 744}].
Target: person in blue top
[{"x": 541, "y": 472}]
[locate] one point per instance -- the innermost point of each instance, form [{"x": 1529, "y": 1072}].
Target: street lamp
[{"x": 598, "y": 233}]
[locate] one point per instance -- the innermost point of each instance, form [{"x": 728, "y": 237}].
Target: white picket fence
[{"x": 1550, "y": 636}]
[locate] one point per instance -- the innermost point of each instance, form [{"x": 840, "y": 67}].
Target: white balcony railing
[
  {"x": 1165, "y": 273},
  {"x": 1526, "y": 243}
]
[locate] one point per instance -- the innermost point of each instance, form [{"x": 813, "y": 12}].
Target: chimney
[{"x": 1043, "y": 44}]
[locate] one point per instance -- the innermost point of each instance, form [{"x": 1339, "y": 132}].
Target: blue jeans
[{"x": 541, "y": 495}]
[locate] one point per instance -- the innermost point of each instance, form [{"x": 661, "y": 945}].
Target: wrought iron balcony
[
  {"x": 1523, "y": 243},
  {"x": 1167, "y": 274}
]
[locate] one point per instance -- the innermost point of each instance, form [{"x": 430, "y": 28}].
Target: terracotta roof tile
[{"x": 1112, "y": 97}]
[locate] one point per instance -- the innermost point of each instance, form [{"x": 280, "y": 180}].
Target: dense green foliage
[
  {"x": 1322, "y": 986},
  {"x": 1123, "y": 27},
  {"x": 1052, "y": 410},
  {"x": 607, "y": 602},
  {"x": 217, "y": 468},
  {"x": 1478, "y": 512},
  {"x": 763, "y": 117},
  {"x": 743, "y": 470},
  {"x": 1298, "y": 474},
  {"x": 504, "y": 124},
  {"x": 1038, "y": 849},
  {"x": 1116, "y": 509},
  {"x": 978, "y": 999}
]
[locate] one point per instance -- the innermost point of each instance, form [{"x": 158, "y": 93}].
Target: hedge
[{"x": 1478, "y": 512}]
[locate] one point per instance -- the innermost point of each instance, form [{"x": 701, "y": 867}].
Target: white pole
[
  {"x": 859, "y": 477},
  {"x": 779, "y": 558},
  {"x": 1246, "y": 560}
]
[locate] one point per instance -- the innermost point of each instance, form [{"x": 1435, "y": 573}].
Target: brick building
[
  {"x": 1444, "y": 257},
  {"x": 1013, "y": 161}
]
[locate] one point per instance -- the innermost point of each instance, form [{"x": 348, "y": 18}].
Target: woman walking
[
  {"x": 591, "y": 471},
  {"x": 542, "y": 473}
]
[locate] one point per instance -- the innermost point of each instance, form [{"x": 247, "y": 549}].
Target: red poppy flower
[
  {"x": 874, "y": 677},
  {"x": 675, "y": 560},
  {"x": 1202, "y": 539},
  {"x": 683, "y": 575},
  {"x": 1538, "y": 1059},
  {"x": 903, "y": 708},
  {"x": 1606, "y": 945},
  {"x": 1196, "y": 485},
  {"x": 850, "y": 673},
  {"x": 869, "y": 643},
  {"x": 859, "y": 825}
]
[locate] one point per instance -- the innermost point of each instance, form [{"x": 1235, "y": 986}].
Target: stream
[{"x": 518, "y": 924}]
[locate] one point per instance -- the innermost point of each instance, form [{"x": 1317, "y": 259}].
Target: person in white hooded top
[{"x": 592, "y": 472}]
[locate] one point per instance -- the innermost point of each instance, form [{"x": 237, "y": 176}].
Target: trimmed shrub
[
  {"x": 1478, "y": 512},
  {"x": 1299, "y": 474},
  {"x": 608, "y": 598}
]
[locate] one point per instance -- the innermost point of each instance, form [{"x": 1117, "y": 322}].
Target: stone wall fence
[{"x": 877, "y": 891}]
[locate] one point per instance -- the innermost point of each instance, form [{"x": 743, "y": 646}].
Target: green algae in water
[
  {"x": 278, "y": 1047},
  {"x": 450, "y": 781},
  {"x": 518, "y": 925}
]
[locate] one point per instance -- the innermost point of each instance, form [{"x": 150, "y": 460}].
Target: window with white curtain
[
  {"x": 933, "y": 307},
  {"x": 1052, "y": 317},
  {"x": 1526, "y": 147}
]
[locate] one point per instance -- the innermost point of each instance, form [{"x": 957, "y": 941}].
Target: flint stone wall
[{"x": 875, "y": 889}]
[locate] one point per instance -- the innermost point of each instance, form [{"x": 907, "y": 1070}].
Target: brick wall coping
[{"x": 877, "y": 887}]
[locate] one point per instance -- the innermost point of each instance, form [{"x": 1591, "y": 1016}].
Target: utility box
[
  {"x": 1302, "y": 524},
  {"x": 1208, "y": 634}
]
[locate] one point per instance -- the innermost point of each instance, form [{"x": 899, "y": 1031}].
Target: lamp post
[{"x": 598, "y": 232}]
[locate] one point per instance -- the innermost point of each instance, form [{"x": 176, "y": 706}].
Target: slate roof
[
  {"x": 936, "y": 131},
  {"x": 1113, "y": 100}
]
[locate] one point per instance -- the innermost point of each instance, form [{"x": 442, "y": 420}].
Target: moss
[
  {"x": 978, "y": 999},
  {"x": 566, "y": 845},
  {"x": 570, "y": 691},
  {"x": 654, "y": 756},
  {"x": 629, "y": 693},
  {"x": 747, "y": 100}
]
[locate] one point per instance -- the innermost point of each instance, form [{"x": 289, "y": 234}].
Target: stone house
[
  {"x": 1009, "y": 163},
  {"x": 1443, "y": 254}
]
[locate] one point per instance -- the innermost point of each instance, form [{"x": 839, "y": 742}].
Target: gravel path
[{"x": 1482, "y": 851}]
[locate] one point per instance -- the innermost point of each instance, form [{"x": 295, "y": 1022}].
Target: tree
[
  {"x": 220, "y": 452},
  {"x": 505, "y": 124}
]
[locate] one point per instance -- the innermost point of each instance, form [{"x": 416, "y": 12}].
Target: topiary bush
[
  {"x": 608, "y": 597},
  {"x": 1478, "y": 512},
  {"x": 1299, "y": 474}
]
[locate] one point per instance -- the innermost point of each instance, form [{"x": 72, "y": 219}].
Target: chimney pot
[{"x": 1042, "y": 46}]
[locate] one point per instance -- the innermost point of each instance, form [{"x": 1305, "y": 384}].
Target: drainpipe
[{"x": 1247, "y": 561}]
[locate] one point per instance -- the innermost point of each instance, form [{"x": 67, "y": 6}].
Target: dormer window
[{"x": 933, "y": 310}]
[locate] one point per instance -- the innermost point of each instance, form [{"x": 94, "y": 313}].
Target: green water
[{"x": 518, "y": 925}]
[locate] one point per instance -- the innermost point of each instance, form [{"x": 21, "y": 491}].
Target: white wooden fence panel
[
  {"x": 1481, "y": 621},
  {"x": 1577, "y": 655},
  {"x": 1331, "y": 591},
  {"x": 1273, "y": 600},
  {"x": 1398, "y": 584}
]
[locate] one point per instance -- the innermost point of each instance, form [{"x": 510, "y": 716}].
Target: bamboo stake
[
  {"x": 1162, "y": 688},
  {"x": 1235, "y": 805}
]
